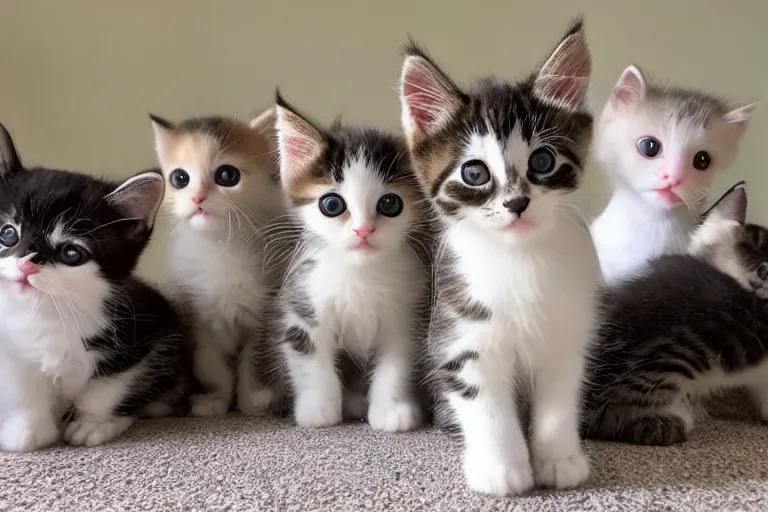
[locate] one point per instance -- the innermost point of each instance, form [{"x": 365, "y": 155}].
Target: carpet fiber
[{"x": 238, "y": 463}]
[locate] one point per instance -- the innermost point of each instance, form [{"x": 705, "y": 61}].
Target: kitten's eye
[
  {"x": 390, "y": 205},
  {"x": 9, "y": 236},
  {"x": 179, "y": 178},
  {"x": 72, "y": 255},
  {"x": 702, "y": 161},
  {"x": 762, "y": 271},
  {"x": 649, "y": 147},
  {"x": 332, "y": 205},
  {"x": 227, "y": 176},
  {"x": 541, "y": 161},
  {"x": 475, "y": 173}
]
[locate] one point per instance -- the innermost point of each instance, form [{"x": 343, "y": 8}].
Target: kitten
[
  {"x": 79, "y": 331},
  {"x": 357, "y": 286},
  {"x": 690, "y": 326},
  {"x": 660, "y": 149},
  {"x": 223, "y": 188},
  {"x": 516, "y": 274}
]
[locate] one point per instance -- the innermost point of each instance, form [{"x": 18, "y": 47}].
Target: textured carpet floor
[{"x": 239, "y": 463}]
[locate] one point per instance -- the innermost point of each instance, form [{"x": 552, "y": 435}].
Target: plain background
[{"x": 79, "y": 77}]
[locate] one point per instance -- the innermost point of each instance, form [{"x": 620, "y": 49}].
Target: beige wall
[{"x": 77, "y": 77}]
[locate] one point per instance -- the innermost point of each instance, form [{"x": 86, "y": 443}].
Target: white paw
[
  {"x": 21, "y": 432},
  {"x": 91, "y": 431},
  {"x": 209, "y": 405},
  {"x": 256, "y": 402},
  {"x": 565, "y": 473},
  {"x": 394, "y": 416},
  {"x": 313, "y": 411},
  {"x": 491, "y": 476}
]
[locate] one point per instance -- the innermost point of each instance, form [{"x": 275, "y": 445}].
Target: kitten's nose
[
  {"x": 671, "y": 180},
  {"x": 364, "y": 231},
  {"x": 28, "y": 268},
  {"x": 198, "y": 198},
  {"x": 516, "y": 205}
]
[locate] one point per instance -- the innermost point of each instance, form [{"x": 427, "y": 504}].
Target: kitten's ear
[
  {"x": 630, "y": 89},
  {"x": 732, "y": 206},
  {"x": 9, "y": 157},
  {"x": 428, "y": 96},
  {"x": 264, "y": 124},
  {"x": 299, "y": 143},
  {"x": 165, "y": 131},
  {"x": 564, "y": 76},
  {"x": 739, "y": 118},
  {"x": 139, "y": 197}
]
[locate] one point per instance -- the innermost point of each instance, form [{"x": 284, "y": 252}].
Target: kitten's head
[
  {"x": 666, "y": 143},
  {"x": 352, "y": 187},
  {"x": 219, "y": 170},
  {"x": 500, "y": 156},
  {"x": 735, "y": 247},
  {"x": 68, "y": 235}
]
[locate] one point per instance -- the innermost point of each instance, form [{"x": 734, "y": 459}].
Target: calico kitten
[
  {"x": 355, "y": 295},
  {"x": 79, "y": 331},
  {"x": 690, "y": 326},
  {"x": 515, "y": 273},
  {"x": 660, "y": 148},
  {"x": 223, "y": 188}
]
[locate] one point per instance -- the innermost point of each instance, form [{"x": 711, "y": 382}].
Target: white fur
[
  {"x": 363, "y": 304},
  {"x": 638, "y": 224},
  {"x": 540, "y": 287}
]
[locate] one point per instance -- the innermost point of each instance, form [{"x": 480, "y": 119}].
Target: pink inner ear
[
  {"x": 297, "y": 148},
  {"x": 566, "y": 89},
  {"x": 423, "y": 103},
  {"x": 624, "y": 95}
]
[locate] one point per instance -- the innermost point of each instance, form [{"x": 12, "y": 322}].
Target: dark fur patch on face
[{"x": 39, "y": 201}]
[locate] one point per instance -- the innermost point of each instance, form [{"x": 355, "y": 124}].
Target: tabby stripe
[
  {"x": 457, "y": 363},
  {"x": 457, "y": 385},
  {"x": 299, "y": 340}
]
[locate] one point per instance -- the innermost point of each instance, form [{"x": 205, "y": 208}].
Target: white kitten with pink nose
[{"x": 659, "y": 147}]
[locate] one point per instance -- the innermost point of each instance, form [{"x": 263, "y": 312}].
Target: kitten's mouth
[
  {"x": 519, "y": 225},
  {"x": 668, "y": 195},
  {"x": 364, "y": 246},
  {"x": 24, "y": 284}
]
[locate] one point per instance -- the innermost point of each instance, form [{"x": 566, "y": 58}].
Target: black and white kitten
[
  {"x": 690, "y": 326},
  {"x": 356, "y": 292},
  {"x": 516, "y": 274},
  {"x": 80, "y": 334}
]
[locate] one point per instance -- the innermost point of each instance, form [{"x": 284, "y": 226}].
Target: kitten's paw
[
  {"x": 394, "y": 416},
  {"x": 565, "y": 473},
  {"x": 491, "y": 476},
  {"x": 91, "y": 431},
  {"x": 354, "y": 405},
  {"x": 316, "y": 412},
  {"x": 25, "y": 432},
  {"x": 255, "y": 402},
  {"x": 209, "y": 405}
]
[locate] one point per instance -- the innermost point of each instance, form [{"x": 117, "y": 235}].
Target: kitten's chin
[{"x": 204, "y": 222}]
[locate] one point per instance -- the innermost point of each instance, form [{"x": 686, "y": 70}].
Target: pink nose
[
  {"x": 28, "y": 268},
  {"x": 672, "y": 180},
  {"x": 198, "y": 198},
  {"x": 364, "y": 231}
]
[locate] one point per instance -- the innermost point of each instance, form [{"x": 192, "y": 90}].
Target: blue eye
[
  {"x": 72, "y": 255},
  {"x": 332, "y": 205},
  {"x": 9, "y": 236},
  {"x": 390, "y": 205},
  {"x": 649, "y": 147},
  {"x": 227, "y": 176},
  {"x": 475, "y": 173},
  {"x": 179, "y": 178},
  {"x": 541, "y": 161}
]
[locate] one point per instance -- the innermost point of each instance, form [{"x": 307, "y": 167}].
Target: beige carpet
[{"x": 242, "y": 464}]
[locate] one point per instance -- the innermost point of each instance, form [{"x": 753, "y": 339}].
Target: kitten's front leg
[
  {"x": 393, "y": 407},
  {"x": 96, "y": 421},
  {"x": 558, "y": 460},
  {"x": 478, "y": 387},
  {"x": 27, "y": 401},
  {"x": 213, "y": 368},
  {"x": 253, "y": 397},
  {"x": 309, "y": 355}
]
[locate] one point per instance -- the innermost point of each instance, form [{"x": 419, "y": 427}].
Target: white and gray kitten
[
  {"x": 660, "y": 149},
  {"x": 353, "y": 305},
  {"x": 516, "y": 273},
  {"x": 223, "y": 187}
]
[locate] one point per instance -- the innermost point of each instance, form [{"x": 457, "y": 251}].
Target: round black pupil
[
  {"x": 8, "y": 233},
  {"x": 541, "y": 162},
  {"x": 332, "y": 204},
  {"x": 225, "y": 175},
  {"x": 475, "y": 174}
]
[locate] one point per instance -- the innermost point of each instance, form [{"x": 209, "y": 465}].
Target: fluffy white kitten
[
  {"x": 357, "y": 286},
  {"x": 517, "y": 272},
  {"x": 223, "y": 187},
  {"x": 660, "y": 149}
]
